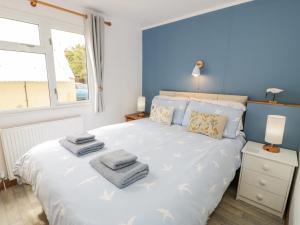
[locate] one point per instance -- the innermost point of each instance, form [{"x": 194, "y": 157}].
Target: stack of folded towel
[
  {"x": 81, "y": 144},
  {"x": 120, "y": 168}
]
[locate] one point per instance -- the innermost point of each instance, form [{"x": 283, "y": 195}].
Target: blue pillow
[
  {"x": 179, "y": 104},
  {"x": 234, "y": 116}
]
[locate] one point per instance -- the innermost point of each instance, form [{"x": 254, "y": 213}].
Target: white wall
[
  {"x": 294, "y": 216},
  {"x": 122, "y": 81}
]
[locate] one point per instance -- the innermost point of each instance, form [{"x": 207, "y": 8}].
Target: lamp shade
[
  {"x": 275, "y": 129},
  {"x": 141, "y": 104},
  {"x": 196, "y": 71}
]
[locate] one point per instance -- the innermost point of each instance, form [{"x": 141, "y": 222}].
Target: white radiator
[{"x": 18, "y": 140}]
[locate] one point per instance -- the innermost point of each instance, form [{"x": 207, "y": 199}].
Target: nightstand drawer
[
  {"x": 262, "y": 197},
  {"x": 268, "y": 167},
  {"x": 265, "y": 182}
]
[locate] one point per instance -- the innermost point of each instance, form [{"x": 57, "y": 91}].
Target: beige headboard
[{"x": 236, "y": 98}]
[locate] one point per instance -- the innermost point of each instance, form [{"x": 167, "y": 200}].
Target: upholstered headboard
[{"x": 236, "y": 98}]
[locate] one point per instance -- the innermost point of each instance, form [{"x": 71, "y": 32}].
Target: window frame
[{"x": 45, "y": 25}]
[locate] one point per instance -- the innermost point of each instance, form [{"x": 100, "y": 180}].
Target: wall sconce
[
  {"x": 197, "y": 69},
  {"x": 197, "y": 72}
]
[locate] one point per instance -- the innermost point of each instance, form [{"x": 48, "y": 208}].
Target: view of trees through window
[
  {"x": 70, "y": 66},
  {"x": 77, "y": 60}
]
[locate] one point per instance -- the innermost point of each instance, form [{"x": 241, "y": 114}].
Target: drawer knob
[
  {"x": 266, "y": 167},
  {"x": 259, "y": 197},
  {"x": 262, "y": 182}
]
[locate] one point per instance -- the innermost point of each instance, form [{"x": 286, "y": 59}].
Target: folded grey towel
[
  {"x": 82, "y": 149},
  {"x": 122, "y": 177},
  {"x": 81, "y": 138},
  {"x": 118, "y": 159}
]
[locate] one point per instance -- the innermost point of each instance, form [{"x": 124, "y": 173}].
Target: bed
[{"x": 189, "y": 174}]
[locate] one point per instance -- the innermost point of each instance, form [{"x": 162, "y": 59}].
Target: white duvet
[{"x": 188, "y": 175}]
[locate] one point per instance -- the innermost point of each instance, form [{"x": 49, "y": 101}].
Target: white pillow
[{"x": 179, "y": 104}]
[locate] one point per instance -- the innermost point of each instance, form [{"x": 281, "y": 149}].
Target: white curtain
[{"x": 95, "y": 46}]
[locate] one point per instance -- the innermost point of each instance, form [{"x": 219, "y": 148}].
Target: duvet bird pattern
[{"x": 189, "y": 173}]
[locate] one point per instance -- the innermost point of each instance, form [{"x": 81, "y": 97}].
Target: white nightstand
[{"x": 265, "y": 178}]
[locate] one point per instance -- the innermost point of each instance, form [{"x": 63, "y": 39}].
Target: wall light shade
[
  {"x": 141, "y": 104},
  {"x": 274, "y": 132},
  {"x": 196, "y": 71}
]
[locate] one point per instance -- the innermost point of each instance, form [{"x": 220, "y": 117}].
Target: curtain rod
[{"x": 34, "y": 3}]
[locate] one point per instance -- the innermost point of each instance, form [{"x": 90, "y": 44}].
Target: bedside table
[
  {"x": 265, "y": 178},
  {"x": 136, "y": 116}
]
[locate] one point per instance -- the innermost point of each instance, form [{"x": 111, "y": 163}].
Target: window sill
[{"x": 46, "y": 108}]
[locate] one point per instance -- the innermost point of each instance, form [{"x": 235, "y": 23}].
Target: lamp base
[{"x": 271, "y": 148}]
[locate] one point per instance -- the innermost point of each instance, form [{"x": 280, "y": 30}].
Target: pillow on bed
[
  {"x": 162, "y": 114},
  {"x": 234, "y": 116},
  {"x": 232, "y": 104},
  {"x": 212, "y": 125},
  {"x": 179, "y": 104}
]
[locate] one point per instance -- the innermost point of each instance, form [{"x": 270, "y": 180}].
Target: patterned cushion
[
  {"x": 162, "y": 114},
  {"x": 211, "y": 125},
  {"x": 179, "y": 104},
  {"x": 234, "y": 116}
]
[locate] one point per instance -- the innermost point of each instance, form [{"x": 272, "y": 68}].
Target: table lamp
[
  {"x": 141, "y": 105},
  {"x": 274, "y": 133}
]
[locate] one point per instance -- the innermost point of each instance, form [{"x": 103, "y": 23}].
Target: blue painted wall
[
  {"x": 247, "y": 48},
  {"x": 256, "y": 119}
]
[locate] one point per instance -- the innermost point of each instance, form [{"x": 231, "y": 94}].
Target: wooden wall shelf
[{"x": 271, "y": 103}]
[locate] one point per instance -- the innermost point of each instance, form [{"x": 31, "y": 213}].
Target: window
[
  {"x": 42, "y": 63},
  {"x": 23, "y": 80},
  {"x": 70, "y": 66},
  {"x": 19, "y": 32}
]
